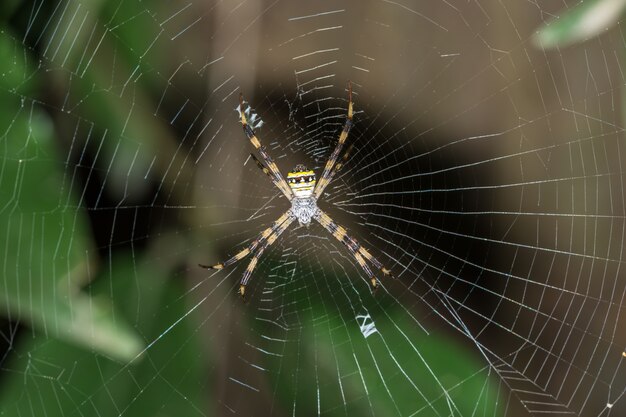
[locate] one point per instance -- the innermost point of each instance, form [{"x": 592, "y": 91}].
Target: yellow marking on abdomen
[{"x": 299, "y": 174}]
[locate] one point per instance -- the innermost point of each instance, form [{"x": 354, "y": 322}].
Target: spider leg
[
  {"x": 365, "y": 253},
  {"x": 343, "y": 160},
  {"x": 358, "y": 251},
  {"x": 265, "y": 234},
  {"x": 262, "y": 167},
  {"x": 267, "y": 243},
  {"x": 275, "y": 175},
  {"x": 328, "y": 173},
  {"x": 265, "y": 170}
]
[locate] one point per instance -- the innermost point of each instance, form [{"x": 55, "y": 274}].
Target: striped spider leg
[
  {"x": 255, "y": 258},
  {"x": 269, "y": 235},
  {"x": 270, "y": 166},
  {"x": 266, "y": 238},
  {"x": 332, "y": 167},
  {"x": 355, "y": 248},
  {"x": 344, "y": 158},
  {"x": 329, "y": 172}
]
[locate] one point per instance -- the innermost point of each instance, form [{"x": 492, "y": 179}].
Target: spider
[{"x": 303, "y": 190}]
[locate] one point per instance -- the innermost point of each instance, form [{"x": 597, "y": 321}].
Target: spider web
[{"x": 485, "y": 172}]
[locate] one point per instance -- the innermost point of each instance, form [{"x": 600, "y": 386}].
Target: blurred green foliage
[
  {"x": 585, "y": 20},
  {"x": 46, "y": 241},
  {"x": 326, "y": 350},
  {"x": 91, "y": 324},
  {"x": 448, "y": 379},
  {"x": 53, "y": 378}
]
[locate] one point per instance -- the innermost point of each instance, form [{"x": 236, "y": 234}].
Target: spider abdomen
[{"x": 304, "y": 209}]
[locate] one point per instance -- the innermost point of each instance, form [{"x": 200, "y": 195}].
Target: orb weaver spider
[{"x": 303, "y": 190}]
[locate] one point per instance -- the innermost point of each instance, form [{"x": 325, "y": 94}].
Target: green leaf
[
  {"x": 323, "y": 359},
  {"x": 50, "y": 378},
  {"x": 583, "y": 21},
  {"x": 46, "y": 245},
  {"x": 115, "y": 89}
]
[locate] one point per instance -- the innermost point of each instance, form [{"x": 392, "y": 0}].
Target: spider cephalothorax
[
  {"x": 304, "y": 209},
  {"x": 303, "y": 190}
]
